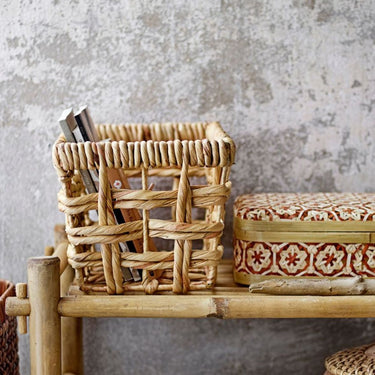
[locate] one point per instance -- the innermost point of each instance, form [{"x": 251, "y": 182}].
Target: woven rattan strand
[{"x": 355, "y": 361}]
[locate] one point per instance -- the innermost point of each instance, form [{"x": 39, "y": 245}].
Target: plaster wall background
[{"x": 291, "y": 81}]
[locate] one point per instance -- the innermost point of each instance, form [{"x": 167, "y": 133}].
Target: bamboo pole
[
  {"x": 225, "y": 306},
  {"x": 227, "y": 303},
  {"x": 21, "y": 293},
  {"x": 48, "y": 251},
  {"x": 59, "y": 234},
  {"x": 236, "y": 302},
  {"x": 61, "y": 253},
  {"x": 15, "y": 306},
  {"x": 71, "y": 333},
  {"x": 45, "y": 325},
  {"x": 71, "y": 328}
]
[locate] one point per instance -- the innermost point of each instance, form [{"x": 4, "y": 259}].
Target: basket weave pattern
[
  {"x": 8, "y": 334},
  {"x": 175, "y": 151},
  {"x": 354, "y": 361}
]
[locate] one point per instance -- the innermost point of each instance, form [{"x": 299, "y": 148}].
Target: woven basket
[
  {"x": 176, "y": 152},
  {"x": 8, "y": 333},
  {"x": 354, "y": 361}
]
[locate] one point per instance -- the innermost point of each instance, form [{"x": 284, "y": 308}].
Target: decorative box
[
  {"x": 303, "y": 235},
  {"x": 356, "y": 361},
  {"x": 189, "y": 165}
]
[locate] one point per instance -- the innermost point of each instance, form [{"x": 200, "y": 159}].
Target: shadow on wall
[
  {"x": 278, "y": 161},
  {"x": 244, "y": 346}
]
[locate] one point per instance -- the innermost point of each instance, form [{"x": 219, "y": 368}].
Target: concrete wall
[{"x": 292, "y": 82}]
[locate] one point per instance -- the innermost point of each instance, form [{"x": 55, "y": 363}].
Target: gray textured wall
[{"x": 292, "y": 81}]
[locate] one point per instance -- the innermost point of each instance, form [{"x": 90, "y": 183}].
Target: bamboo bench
[{"x": 55, "y": 307}]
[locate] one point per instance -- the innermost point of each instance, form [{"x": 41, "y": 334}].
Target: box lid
[{"x": 306, "y": 207}]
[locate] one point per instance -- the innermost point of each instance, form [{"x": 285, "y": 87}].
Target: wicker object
[
  {"x": 304, "y": 235},
  {"x": 174, "y": 151},
  {"x": 8, "y": 333},
  {"x": 355, "y": 361}
]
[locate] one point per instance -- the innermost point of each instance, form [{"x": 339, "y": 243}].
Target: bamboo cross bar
[
  {"x": 15, "y": 306},
  {"x": 228, "y": 305},
  {"x": 222, "y": 306},
  {"x": 21, "y": 293},
  {"x": 227, "y": 301}
]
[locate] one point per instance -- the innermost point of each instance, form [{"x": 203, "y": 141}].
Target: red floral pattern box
[{"x": 303, "y": 235}]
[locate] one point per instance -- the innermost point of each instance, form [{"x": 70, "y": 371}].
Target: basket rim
[
  {"x": 214, "y": 124},
  {"x": 215, "y": 150}
]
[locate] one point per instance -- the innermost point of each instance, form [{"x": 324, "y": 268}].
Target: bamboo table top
[{"x": 227, "y": 301}]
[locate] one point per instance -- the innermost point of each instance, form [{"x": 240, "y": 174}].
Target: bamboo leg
[
  {"x": 45, "y": 325},
  {"x": 71, "y": 334},
  {"x": 71, "y": 328},
  {"x": 59, "y": 234}
]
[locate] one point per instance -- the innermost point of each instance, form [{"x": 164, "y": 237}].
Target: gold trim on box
[
  {"x": 307, "y": 237},
  {"x": 247, "y": 279},
  {"x": 304, "y": 226}
]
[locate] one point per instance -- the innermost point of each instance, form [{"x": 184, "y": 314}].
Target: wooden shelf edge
[{"x": 226, "y": 301}]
